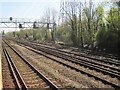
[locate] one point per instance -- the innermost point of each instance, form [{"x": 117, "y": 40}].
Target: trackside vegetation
[{"x": 87, "y": 25}]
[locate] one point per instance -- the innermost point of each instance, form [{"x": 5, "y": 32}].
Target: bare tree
[
  {"x": 50, "y": 17},
  {"x": 89, "y": 12},
  {"x": 80, "y": 26},
  {"x": 54, "y": 15},
  {"x": 46, "y": 18},
  {"x": 71, "y": 15}
]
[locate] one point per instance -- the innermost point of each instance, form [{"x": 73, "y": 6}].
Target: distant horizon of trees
[{"x": 86, "y": 26}]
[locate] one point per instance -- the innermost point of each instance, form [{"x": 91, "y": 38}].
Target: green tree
[{"x": 109, "y": 37}]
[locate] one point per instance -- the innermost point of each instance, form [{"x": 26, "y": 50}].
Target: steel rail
[
  {"x": 86, "y": 57},
  {"x": 117, "y": 63},
  {"x": 78, "y": 61},
  {"x": 12, "y": 70},
  {"x": 20, "y": 83},
  {"x": 78, "y": 70},
  {"x": 50, "y": 83}
]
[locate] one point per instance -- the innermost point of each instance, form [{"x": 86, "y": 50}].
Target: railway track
[
  {"x": 108, "y": 60},
  {"x": 7, "y": 73},
  {"x": 85, "y": 51},
  {"x": 106, "y": 69},
  {"x": 81, "y": 56},
  {"x": 86, "y": 54},
  {"x": 26, "y": 75},
  {"x": 85, "y": 64},
  {"x": 19, "y": 82},
  {"x": 85, "y": 58},
  {"x": 97, "y": 53}
]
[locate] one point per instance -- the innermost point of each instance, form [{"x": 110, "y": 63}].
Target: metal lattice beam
[{"x": 25, "y": 22}]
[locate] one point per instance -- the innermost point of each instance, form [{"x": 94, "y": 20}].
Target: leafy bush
[{"x": 108, "y": 39}]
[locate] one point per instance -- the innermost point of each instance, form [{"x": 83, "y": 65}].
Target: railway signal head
[
  {"x": 20, "y": 25},
  {"x": 11, "y": 18},
  {"x": 35, "y": 24},
  {"x": 47, "y": 25}
]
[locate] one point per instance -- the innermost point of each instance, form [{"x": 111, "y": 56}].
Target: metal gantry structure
[{"x": 23, "y": 23}]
